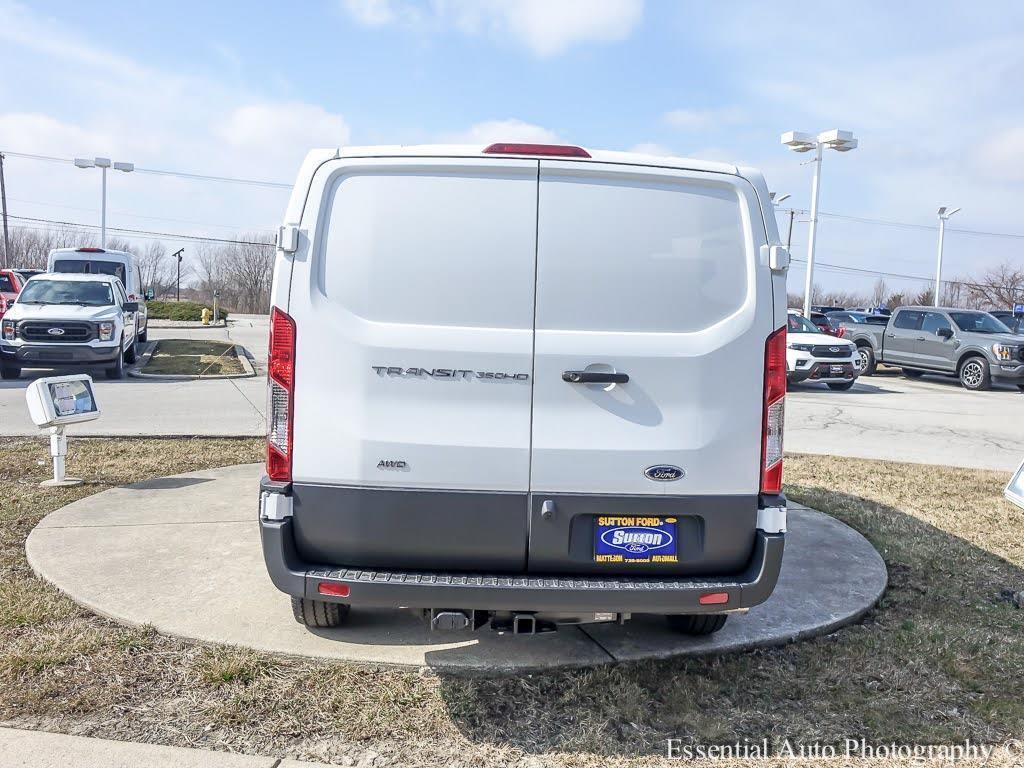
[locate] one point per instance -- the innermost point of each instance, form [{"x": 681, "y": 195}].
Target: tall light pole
[
  {"x": 103, "y": 163},
  {"x": 944, "y": 213},
  {"x": 841, "y": 141}
]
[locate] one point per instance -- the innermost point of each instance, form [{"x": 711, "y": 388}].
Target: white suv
[
  {"x": 525, "y": 384},
  {"x": 61, "y": 320},
  {"x": 816, "y": 357}
]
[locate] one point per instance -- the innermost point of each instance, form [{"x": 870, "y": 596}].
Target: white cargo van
[
  {"x": 525, "y": 385},
  {"x": 99, "y": 261}
]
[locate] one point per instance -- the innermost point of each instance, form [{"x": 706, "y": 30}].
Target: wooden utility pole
[{"x": 3, "y": 207}]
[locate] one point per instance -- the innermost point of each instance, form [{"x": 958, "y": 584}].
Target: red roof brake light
[
  {"x": 90, "y": 250},
  {"x": 546, "y": 150}
]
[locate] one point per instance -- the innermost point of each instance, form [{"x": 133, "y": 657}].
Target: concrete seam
[
  {"x": 143, "y": 525},
  {"x": 597, "y": 643}
]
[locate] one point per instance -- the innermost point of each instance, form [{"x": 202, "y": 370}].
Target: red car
[
  {"x": 821, "y": 321},
  {"x": 11, "y": 284}
]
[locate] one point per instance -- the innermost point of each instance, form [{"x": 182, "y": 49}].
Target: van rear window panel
[{"x": 385, "y": 233}]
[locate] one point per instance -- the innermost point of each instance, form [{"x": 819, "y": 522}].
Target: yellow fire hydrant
[{"x": 207, "y": 314}]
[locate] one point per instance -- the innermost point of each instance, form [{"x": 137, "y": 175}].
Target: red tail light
[
  {"x": 330, "y": 588},
  {"x": 840, "y": 332},
  {"x": 774, "y": 412},
  {"x": 280, "y": 395},
  {"x": 714, "y": 598},
  {"x": 548, "y": 150}
]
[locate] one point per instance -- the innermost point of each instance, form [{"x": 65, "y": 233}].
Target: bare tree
[
  {"x": 925, "y": 298},
  {"x": 240, "y": 271},
  {"x": 1000, "y": 287},
  {"x": 159, "y": 272}
]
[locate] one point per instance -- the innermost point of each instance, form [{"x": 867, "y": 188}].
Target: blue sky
[{"x": 932, "y": 91}]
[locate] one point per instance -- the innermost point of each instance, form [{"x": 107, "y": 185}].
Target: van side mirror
[
  {"x": 130, "y": 306},
  {"x": 946, "y": 333},
  {"x": 150, "y": 294}
]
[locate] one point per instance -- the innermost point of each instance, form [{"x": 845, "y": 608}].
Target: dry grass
[
  {"x": 940, "y": 661},
  {"x": 189, "y": 357}
]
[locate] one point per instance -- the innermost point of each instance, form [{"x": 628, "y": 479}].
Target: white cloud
[
  {"x": 267, "y": 128},
  {"x": 503, "y": 130},
  {"x": 650, "y": 148},
  {"x": 377, "y": 13},
  {"x": 106, "y": 104},
  {"x": 703, "y": 119},
  {"x": 1001, "y": 157},
  {"x": 545, "y": 27}
]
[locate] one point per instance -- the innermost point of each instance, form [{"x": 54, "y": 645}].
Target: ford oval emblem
[
  {"x": 664, "y": 473},
  {"x": 833, "y": 349},
  {"x": 56, "y": 331}
]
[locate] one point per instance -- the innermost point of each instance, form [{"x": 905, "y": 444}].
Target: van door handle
[
  {"x": 920, "y": 338},
  {"x": 594, "y": 377}
]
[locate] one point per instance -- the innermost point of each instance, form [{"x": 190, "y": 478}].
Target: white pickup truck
[{"x": 62, "y": 320}]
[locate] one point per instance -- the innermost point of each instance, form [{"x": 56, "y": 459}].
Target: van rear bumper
[{"x": 527, "y": 592}]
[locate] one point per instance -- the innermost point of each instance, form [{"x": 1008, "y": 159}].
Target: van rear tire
[
  {"x": 696, "y": 624},
  {"x": 319, "y": 614}
]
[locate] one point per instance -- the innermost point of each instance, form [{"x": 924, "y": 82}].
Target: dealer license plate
[
  {"x": 836, "y": 369},
  {"x": 635, "y": 539}
]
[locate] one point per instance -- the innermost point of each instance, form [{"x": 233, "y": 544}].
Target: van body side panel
[{"x": 414, "y": 313}]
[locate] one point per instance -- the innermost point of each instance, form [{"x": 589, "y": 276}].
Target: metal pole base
[{"x": 67, "y": 482}]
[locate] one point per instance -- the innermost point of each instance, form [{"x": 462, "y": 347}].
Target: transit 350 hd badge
[
  {"x": 633, "y": 539},
  {"x": 447, "y": 373}
]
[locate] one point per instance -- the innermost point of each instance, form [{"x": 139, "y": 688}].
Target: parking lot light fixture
[
  {"x": 103, "y": 163},
  {"x": 944, "y": 213},
  {"x": 840, "y": 141}
]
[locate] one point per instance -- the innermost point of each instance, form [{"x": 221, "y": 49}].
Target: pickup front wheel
[
  {"x": 975, "y": 374},
  {"x": 867, "y": 360},
  {"x": 116, "y": 371}
]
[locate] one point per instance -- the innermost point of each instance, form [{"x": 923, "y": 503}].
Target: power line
[
  {"x": 232, "y": 227},
  {"x": 285, "y": 185},
  {"x": 164, "y": 172},
  {"x": 142, "y": 232},
  {"x": 904, "y": 224}
]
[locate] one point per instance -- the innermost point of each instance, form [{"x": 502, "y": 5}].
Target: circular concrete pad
[{"x": 183, "y": 554}]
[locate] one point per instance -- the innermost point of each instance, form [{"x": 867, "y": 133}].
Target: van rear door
[
  {"x": 654, "y": 274},
  {"x": 414, "y": 335}
]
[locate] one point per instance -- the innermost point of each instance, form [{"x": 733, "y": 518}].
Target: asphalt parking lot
[
  {"x": 930, "y": 420},
  {"x": 131, "y": 406}
]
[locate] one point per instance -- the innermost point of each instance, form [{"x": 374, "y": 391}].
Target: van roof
[
  {"x": 76, "y": 277},
  {"x": 477, "y": 150},
  {"x": 317, "y": 157},
  {"x": 87, "y": 252}
]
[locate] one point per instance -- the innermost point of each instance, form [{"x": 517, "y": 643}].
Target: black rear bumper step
[{"x": 503, "y": 592}]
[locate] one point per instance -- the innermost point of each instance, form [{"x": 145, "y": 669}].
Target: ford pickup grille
[
  {"x": 56, "y": 332},
  {"x": 825, "y": 350}
]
